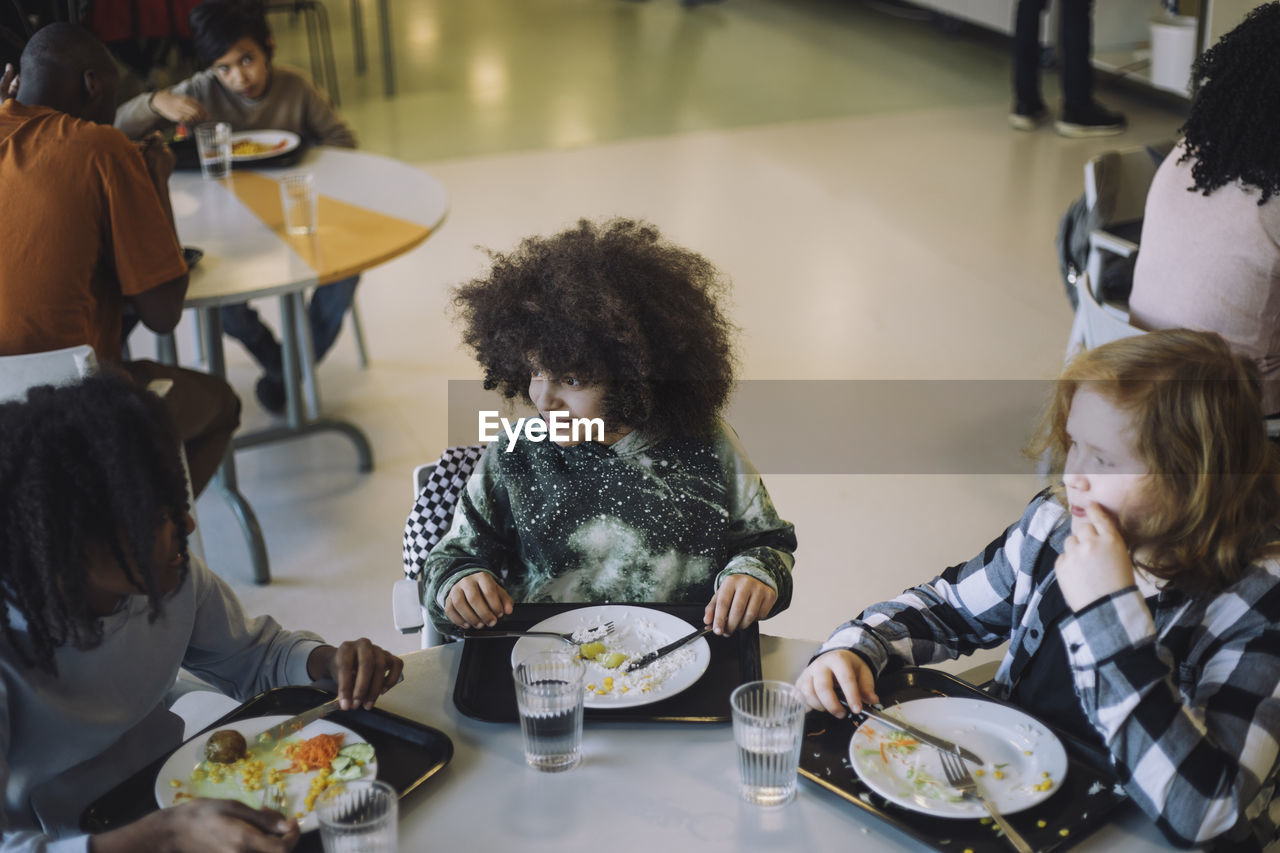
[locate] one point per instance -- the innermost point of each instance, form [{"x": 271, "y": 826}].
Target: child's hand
[
  {"x": 477, "y": 601},
  {"x": 363, "y": 671},
  {"x": 838, "y": 670},
  {"x": 177, "y": 108},
  {"x": 1096, "y": 560},
  {"x": 740, "y": 601},
  {"x": 8, "y": 83}
]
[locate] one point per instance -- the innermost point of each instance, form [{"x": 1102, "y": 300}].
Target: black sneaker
[
  {"x": 1093, "y": 119},
  {"x": 270, "y": 393},
  {"x": 1027, "y": 116}
]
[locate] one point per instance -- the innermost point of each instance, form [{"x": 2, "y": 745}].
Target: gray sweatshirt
[
  {"x": 67, "y": 739},
  {"x": 291, "y": 103}
]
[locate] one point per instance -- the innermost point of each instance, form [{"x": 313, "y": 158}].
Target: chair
[
  {"x": 1115, "y": 192},
  {"x": 324, "y": 71},
  {"x": 1099, "y": 322},
  {"x": 65, "y": 367},
  {"x": 436, "y": 489},
  {"x": 58, "y": 367}
]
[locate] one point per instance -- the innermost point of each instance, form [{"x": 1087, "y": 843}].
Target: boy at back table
[{"x": 241, "y": 86}]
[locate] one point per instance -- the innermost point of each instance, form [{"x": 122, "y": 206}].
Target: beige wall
[{"x": 1224, "y": 15}]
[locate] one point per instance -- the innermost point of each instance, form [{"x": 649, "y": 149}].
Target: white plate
[
  {"x": 636, "y": 630},
  {"x": 273, "y": 138},
  {"x": 191, "y": 753},
  {"x": 1020, "y": 747}
]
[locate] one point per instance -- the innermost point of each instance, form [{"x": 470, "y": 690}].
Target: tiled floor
[{"x": 847, "y": 167}]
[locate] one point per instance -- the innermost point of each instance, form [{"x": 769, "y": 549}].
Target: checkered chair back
[{"x": 439, "y": 486}]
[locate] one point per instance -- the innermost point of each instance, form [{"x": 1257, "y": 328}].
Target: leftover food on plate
[
  {"x": 253, "y": 148},
  {"x": 1026, "y": 762},
  {"x": 226, "y": 766},
  {"x": 637, "y": 631},
  {"x": 225, "y": 746}
]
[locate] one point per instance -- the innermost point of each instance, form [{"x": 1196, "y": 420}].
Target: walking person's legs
[{"x": 1081, "y": 114}]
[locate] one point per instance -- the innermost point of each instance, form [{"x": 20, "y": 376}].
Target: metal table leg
[
  {"x": 210, "y": 320},
  {"x": 301, "y": 391}
]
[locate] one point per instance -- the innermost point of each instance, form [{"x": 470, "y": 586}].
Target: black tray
[
  {"x": 408, "y": 753},
  {"x": 485, "y": 691},
  {"x": 1082, "y": 805},
  {"x": 186, "y": 158}
]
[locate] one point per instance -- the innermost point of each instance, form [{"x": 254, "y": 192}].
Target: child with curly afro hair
[{"x": 609, "y": 322}]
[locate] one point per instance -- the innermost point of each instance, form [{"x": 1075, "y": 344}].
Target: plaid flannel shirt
[{"x": 1185, "y": 692}]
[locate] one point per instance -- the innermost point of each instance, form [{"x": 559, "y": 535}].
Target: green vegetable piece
[
  {"x": 591, "y": 651},
  {"x": 352, "y": 772},
  {"x": 357, "y": 752},
  {"x": 612, "y": 660},
  {"x": 341, "y": 762}
]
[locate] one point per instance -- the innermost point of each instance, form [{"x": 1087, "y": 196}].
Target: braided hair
[
  {"x": 1233, "y": 132},
  {"x": 85, "y": 469}
]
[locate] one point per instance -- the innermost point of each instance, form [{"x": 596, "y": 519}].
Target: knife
[
  {"x": 271, "y": 738},
  {"x": 646, "y": 659},
  {"x": 922, "y": 736}
]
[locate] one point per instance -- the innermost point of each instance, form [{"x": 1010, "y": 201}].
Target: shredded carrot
[
  {"x": 882, "y": 753},
  {"x": 314, "y": 753}
]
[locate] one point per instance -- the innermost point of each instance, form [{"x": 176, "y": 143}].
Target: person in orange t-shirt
[{"x": 92, "y": 228}]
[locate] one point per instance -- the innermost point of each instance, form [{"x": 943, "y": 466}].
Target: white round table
[
  {"x": 641, "y": 787},
  {"x": 372, "y": 208}
]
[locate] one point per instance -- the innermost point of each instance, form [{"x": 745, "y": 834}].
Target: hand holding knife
[{"x": 646, "y": 659}]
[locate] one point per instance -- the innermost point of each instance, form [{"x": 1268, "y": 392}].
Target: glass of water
[
  {"x": 213, "y": 142},
  {"x": 768, "y": 725},
  {"x": 358, "y": 817},
  {"x": 549, "y": 695},
  {"x": 300, "y": 202}
]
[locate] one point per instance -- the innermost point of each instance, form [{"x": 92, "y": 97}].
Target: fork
[
  {"x": 959, "y": 777},
  {"x": 593, "y": 634}
]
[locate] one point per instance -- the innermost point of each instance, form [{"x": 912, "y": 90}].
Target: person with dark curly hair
[
  {"x": 609, "y": 322},
  {"x": 1210, "y": 256},
  {"x": 101, "y": 604}
]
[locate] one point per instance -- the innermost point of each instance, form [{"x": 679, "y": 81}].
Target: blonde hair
[{"x": 1214, "y": 493}]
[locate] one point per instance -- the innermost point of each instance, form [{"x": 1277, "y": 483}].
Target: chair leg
[
  {"x": 326, "y": 48},
  {"x": 313, "y": 49},
  {"x": 362, "y": 352},
  {"x": 357, "y": 35}
]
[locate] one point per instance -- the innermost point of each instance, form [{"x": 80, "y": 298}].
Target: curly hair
[
  {"x": 1214, "y": 495},
  {"x": 83, "y": 468},
  {"x": 1233, "y": 131},
  {"x": 615, "y": 304}
]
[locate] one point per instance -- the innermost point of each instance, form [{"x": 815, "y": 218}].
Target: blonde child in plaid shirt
[{"x": 1147, "y": 580}]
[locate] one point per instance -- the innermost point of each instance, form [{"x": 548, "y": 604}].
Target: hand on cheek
[{"x": 1095, "y": 561}]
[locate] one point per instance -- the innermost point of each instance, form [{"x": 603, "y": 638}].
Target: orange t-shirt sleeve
[{"x": 144, "y": 248}]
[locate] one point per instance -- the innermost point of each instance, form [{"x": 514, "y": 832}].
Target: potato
[
  {"x": 611, "y": 660},
  {"x": 225, "y": 746},
  {"x": 591, "y": 651}
]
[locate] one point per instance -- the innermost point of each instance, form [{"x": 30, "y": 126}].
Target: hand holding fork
[{"x": 588, "y": 635}]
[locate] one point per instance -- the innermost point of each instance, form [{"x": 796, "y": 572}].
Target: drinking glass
[
  {"x": 358, "y": 817},
  {"x": 301, "y": 205},
  {"x": 768, "y": 725},
  {"x": 213, "y": 141},
  {"x": 550, "y": 697}
]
